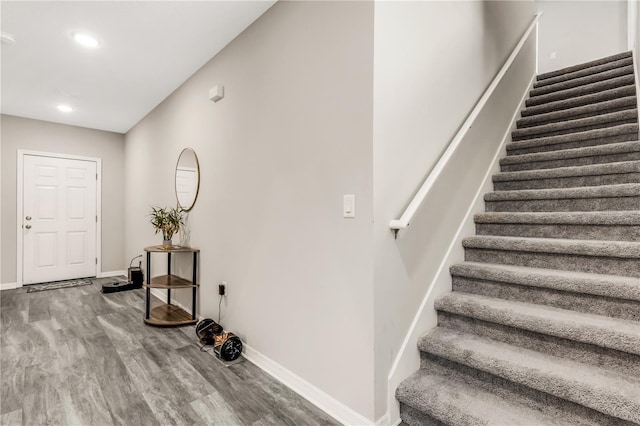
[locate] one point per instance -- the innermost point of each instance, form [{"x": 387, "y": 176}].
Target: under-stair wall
[{"x": 414, "y": 119}]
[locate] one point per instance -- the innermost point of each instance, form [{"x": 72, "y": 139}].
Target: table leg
[{"x": 195, "y": 288}]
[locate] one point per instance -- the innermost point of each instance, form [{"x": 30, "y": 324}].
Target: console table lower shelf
[{"x": 169, "y": 315}]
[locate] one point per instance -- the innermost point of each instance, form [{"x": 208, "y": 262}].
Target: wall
[
  {"x": 433, "y": 61},
  {"x": 580, "y": 31},
  {"x": 291, "y": 137},
  {"x": 23, "y": 133}
]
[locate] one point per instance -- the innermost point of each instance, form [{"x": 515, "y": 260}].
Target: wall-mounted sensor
[{"x": 216, "y": 93}]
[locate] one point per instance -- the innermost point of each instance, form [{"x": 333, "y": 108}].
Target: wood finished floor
[{"x": 74, "y": 356}]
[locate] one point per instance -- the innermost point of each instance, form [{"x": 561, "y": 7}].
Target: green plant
[{"x": 168, "y": 220}]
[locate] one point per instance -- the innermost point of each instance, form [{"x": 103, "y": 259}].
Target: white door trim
[{"x": 19, "y": 199}]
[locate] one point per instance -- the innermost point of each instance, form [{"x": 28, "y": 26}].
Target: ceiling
[{"x": 147, "y": 49}]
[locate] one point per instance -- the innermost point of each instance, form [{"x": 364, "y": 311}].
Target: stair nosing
[
  {"x": 616, "y": 168},
  {"x": 560, "y": 154},
  {"x": 546, "y": 373},
  {"x": 617, "y": 130},
  {"x": 607, "y": 118},
  {"x": 595, "y": 77},
  {"x": 583, "y": 100},
  {"x": 585, "y": 65},
  {"x": 612, "y": 286},
  {"x": 619, "y": 63},
  {"x": 601, "y": 191}
]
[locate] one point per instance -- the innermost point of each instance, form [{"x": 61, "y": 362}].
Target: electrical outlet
[{"x": 221, "y": 288}]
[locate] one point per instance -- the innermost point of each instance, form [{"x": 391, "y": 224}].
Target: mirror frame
[{"x": 175, "y": 188}]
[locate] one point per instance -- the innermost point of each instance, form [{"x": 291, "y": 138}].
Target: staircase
[{"x": 543, "y": 324}]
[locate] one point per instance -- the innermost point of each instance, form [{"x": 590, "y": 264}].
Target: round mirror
[{"x": 187, "y": 179}]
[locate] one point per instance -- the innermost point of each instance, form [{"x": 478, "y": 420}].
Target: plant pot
[{"x": 166, "y": 243}]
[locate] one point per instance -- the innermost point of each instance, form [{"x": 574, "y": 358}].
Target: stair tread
[
  {"x": 617, "y": 249},
  {"x": 585, "y": 71},
  {"x": 590, "y": 88},
  {"x": 573, "y": 137},
  {"x": 595, "y": 387},
  {"x": 570, "y": 171},
  {"x": 583, "y": 100},
  {"x": 614, "y": 286},
  {"x": 562, "y": 218},
  {"x": 458, "y": 402},
  {"x": 581, "y": 81},
  {"x": 599, "y": 107},
  {"x": 602, "y": 191},
  {"x": 584, "y": 65},
  {"x": 587, "y": 151},
  {"x": 612, "y": 117}
]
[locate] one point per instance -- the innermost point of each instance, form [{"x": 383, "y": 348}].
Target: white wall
[
  {"x": 27, "y": 134},
  {"x": 580, "y": 31},
  {"x": 292, "y": 135},
  {"x": 433, "y": 60}
]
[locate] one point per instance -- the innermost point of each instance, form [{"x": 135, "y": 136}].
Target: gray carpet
[{"x": 543, "y": 324}]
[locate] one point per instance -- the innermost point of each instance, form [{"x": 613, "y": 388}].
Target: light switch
[{"x": 349, "y": 206}]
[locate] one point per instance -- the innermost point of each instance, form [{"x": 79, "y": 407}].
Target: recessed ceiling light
[
  {"x": 64, "y": 108},
  {"x": 85, "y": 39}
]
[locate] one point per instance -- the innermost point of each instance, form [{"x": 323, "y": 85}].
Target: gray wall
[
  {"x": 23, "y": 133},
  {"x": 580, "y": 31},
  {"x": 433, "y": 60},
  {"x": 291, "y": 137}
]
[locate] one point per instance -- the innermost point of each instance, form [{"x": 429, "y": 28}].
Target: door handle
[
  {"x": 28, "y": 226},
  {"x": 28, "y": 217}
]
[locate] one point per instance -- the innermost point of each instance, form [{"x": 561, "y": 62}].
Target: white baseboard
[
  {"x": 111, "y": 274},
  {"x": 317, "y": 397},
  {"x": 9, "y": 286},
  {"x": 384, "y": 420}
]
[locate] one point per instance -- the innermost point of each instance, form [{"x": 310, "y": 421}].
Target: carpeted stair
[{"x": 543, "y": 324}]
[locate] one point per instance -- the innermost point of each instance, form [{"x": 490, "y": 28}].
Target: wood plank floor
[{"x": 74, "y": 356}]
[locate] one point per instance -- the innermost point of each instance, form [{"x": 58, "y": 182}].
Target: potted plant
[{"x": 168, "y": 220}]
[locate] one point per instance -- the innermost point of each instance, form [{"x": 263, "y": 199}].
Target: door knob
[
  {"x": 28, "y": 217},
  {"x": 28, "y": 226}
]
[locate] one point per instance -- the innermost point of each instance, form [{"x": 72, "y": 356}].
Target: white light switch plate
[{"x": 349, "y": 206}]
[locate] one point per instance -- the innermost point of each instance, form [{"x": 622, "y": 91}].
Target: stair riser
[
  {"x": 582, "y": 81},
  {"x": 589, "y": 71},
  {"x": 568, "y": 162},
  {"x": 584, "y": 66},
  {"x": 538, "y": 120},
  {"x": 605, "y": 306},
  {"x": 578, "y": 232},
  {"x": 626, "y": 137},
  {"x": 565, "y": 205},
  {"x": 580, "y": 91},
  {"x": 629, "y": 267},
  {"x": 622, "y": 362},
  {"x": 595, "y": 98},
  {"x": 413, "y": 417},
  {"x": 522, "y": 394},
  {"x": 568, "y": 182},
  {"x": 533, "y": 134}
]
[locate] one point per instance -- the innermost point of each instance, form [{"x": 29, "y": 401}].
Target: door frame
[{"x": 19, "y": 206}]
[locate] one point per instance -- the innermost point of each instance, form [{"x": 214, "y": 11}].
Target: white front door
[{"x": 59, "y": 219}]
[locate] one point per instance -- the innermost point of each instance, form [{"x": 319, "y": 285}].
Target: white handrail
[{"x": 418, "y": 199}]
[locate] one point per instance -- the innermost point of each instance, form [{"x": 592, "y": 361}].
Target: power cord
[{"x": 219, "y": 308}]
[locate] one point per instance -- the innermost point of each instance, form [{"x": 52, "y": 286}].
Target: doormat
[{"x": 54, "y": 285}]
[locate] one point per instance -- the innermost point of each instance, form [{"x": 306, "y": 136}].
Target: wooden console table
[{"x": 168, "y": 314}]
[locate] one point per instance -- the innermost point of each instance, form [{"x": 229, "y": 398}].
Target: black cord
[{"x": 219, "y": 308}]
